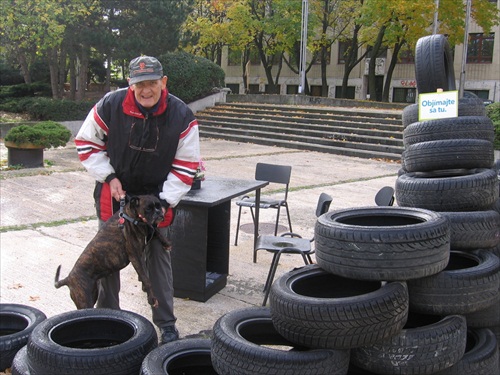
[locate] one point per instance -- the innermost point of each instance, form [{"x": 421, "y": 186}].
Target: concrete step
[
  {"x": 351, "y": 132},
  {"x": 283, "y": 130}
]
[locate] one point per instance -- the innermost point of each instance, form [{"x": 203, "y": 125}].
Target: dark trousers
[{"x": 159, "y": 270}]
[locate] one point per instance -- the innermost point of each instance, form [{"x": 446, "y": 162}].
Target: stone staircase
[{"x": 360, "y": 132}]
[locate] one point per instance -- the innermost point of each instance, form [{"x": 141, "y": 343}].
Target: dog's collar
[{"x": 124, "y": 216}]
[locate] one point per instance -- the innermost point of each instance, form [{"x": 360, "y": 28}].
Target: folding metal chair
[
  {"x": 276, "y": 174},
  {"x": 289, "y": 243},
  {"x": 385, "y": 196}
]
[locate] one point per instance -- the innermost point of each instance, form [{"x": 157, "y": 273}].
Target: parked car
[{"x": 468, "y": 94}]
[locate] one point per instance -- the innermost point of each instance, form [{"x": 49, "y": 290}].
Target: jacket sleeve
[
  {"x": 91, "y": 145},
  {"x": 186, "y": 161}
]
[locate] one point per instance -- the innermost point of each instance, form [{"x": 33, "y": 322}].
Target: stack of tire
[
  {"x": 412, "y": 289},
  {"x": 448, "y": 167},
  {"x": 352, "y": 312},
  {"x": 16, "y": 324},
  {"x": 88, "y": 341}
]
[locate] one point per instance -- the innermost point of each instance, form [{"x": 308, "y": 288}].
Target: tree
[
  {"x": 394, "y": 24},
  {"x": 206, "y": 29},
  {"x": 336, "y": 19}
]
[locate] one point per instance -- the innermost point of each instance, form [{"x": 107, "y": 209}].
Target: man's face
[{"x": 147, "y": 93}]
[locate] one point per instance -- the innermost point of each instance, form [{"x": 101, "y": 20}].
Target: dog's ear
[{"x": 134, "y": 202}]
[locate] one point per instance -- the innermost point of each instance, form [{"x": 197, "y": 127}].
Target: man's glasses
[{"x": 144, "y": 136}]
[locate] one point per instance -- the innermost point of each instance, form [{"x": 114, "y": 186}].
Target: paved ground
[{"x": 47, "y": 218}]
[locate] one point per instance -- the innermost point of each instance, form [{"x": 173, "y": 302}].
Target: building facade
[{"x": 482, "y": 73}]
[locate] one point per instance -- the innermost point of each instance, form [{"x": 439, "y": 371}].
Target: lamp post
[
  {"x": 465, "y": 49},
  {"x": 303, "y": 44},
  {"x": 436, "y": 19}
]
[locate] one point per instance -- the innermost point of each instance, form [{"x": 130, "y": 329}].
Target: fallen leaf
[{"x": 16, "y": 286}]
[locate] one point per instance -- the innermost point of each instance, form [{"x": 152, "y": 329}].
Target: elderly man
[{"x": 141, "y": 140}]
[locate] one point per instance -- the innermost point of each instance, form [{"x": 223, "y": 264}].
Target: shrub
[
  {"x": 46, "y": 134},
  {"x": 25, "y": 90},
  {"x": 47, "y": 108},
  {"x": 493, "y": 112},
  {"x": 191, "y": 77}
]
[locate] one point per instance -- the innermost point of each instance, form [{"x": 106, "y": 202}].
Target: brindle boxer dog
[{"x": 121, "y": 240}]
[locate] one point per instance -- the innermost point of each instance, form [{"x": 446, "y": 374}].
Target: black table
[{"x": 200, "y": 236}]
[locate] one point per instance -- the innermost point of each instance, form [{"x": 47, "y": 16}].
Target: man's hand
[{"x": 115, "y": 187}]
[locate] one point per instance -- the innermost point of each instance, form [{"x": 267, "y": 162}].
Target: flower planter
[{"x": 25, "y": 154}]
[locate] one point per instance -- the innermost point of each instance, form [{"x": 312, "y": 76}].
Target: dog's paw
[{"x": 153, "y": 302}]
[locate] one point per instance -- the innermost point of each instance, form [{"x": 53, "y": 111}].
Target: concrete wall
[
  {"x": 74, "y": 126},
  {"x": 310, "y": 100}
]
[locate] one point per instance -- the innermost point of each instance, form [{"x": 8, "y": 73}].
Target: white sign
[{"x": 437, "y": 105}]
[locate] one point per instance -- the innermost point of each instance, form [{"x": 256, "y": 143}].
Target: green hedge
[
  {"x": 25, "y": 90},
  {"x": 493, "y": 112},
  {"x": 48, "y": 109},
  {"x": 191, "y": 77}
]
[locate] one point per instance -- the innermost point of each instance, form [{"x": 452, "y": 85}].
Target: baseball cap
[{"x": 145, "y": 68}]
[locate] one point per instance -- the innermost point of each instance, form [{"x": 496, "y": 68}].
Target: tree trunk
[
  {"x": 23, "y": 63},
  {"x": 54, "y": 73},
  {"x": 390, "y": 70},
  {"x": 62, "y": 73},
  {"x": 373, "y": 61},
  {"x": 107, "y": 84},
  {"x": 245, "y": 66},
  {"x": 266, "y": 63},
  {"x": 83, "y": 71},
  {"x": 324, "y": 82},
  {"x": 72, "y": 77},
  {"x": 351, "y": 60}
]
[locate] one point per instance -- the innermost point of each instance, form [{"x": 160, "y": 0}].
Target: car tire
[
  {"x": 469, "y": 127},
  {"x": 20, "y": 363},
  {"x": 316, "y": 309},
  {"x": 245, "y": 343},
  {"x": 187, "y": 356},
  {"x": 16, "y": 323},
  {"x": 434, "y": 64},
  {"x": 480, "y": 357},
  {"x": 466, "y": 107},
  {"x": 93, "y": 341},
  {"x": 469, "y": 283},
  {"x": 448, "y": 190},
  {"x": 426, "y": 345},
  {"x": 473, "y": 230},
  {"x": 382, "y": 243},
  {"x": 485, "y": 318},
  {"x": 449, "y": 154}
]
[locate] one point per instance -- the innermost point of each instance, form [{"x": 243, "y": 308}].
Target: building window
[
  {"x": 351, "y": 90},
  {"x": 278, "y": 89},
  {"x": 483, "y": 94},
  {"x": 254, "y": 57},
  {"x": 382, "y": 53},
  {"x": 233, "y": 57},
  {"x": 406, "y": 56},
  {"x": 317, "y": 61},
  {"x": 315, "y": 90},
  {"x": 234, "y": 87},
  {"x": 404, "y": 95},
  {"x": 480, "y": 48},
  {"x": 253, "y": 89},
  {"x": 343, "y": 50},
  {"x": 292, "y": 89}
]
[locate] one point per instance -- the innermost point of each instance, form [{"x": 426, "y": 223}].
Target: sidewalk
[{"x": 47, "y": 218}]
